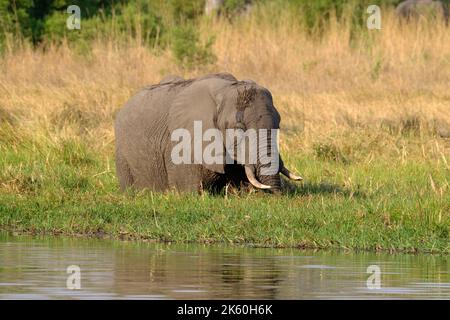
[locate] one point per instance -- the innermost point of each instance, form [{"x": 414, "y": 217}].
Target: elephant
[
  {"x": 145, "y": 127},
  {"x": 415, "y": 8},
  {"x": 218, "y": 6}
]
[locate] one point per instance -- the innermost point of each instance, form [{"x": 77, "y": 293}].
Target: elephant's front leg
[{"x": 185, "y": 177}]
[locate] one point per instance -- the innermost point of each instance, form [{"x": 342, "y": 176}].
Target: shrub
[
  {"x": 183, "y": 10},
  {"x": 42, "y": 20},
  {"x": 188, "y": 51},
  {"x": 138, "y": 21},
  {"x": 232, "y": 8}
]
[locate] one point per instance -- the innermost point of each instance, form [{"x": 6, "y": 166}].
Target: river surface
[{"x": 37, "y": 268}]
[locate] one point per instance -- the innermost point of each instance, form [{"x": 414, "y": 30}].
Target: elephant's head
[{"x": 230, "y": 106}]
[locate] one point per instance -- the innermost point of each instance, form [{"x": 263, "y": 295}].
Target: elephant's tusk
[
  {"x": 290, "y": 175},
  {"x": 251, "y": 177}
]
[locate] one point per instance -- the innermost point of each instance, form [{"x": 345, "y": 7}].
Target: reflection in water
[{"x": 36, "y": 268}]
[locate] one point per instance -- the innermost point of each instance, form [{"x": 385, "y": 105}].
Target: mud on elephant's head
[{"x": 244, "y": 113}]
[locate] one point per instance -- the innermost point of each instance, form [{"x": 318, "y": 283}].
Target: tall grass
[
  {"x": 336, "y": 79},
  {"x": 367, "y": 112}
]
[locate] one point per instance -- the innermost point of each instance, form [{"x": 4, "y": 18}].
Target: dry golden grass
[{"x": 373, "y": 84}]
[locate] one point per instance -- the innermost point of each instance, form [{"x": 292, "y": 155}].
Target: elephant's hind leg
[{"x": 123, "y": 172}]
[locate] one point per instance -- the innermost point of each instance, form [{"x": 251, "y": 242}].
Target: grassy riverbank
[
  {"x": 371, "y": 206},
  {"x": 365, "y": 119}
]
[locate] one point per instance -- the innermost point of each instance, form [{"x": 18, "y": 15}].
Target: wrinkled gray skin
[
  {"x": 144, "y": 125},
  {"x": 414, "y": 8}
]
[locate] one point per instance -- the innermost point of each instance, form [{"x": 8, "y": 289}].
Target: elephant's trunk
[
  {"x": 274, "y": 181},
  {"x": 273, "y": 178}
]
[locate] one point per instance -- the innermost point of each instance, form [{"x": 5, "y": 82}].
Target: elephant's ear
[{"x": 198, "y": 104}]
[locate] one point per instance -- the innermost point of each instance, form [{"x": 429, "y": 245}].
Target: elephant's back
[
  {"x": 153, "y": 103},
  {"x": 145, "y": 107},
  {"x": 142, "y": 123}
]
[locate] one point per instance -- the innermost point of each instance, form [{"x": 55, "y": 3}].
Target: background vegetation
[
  {"x": 365, "y": 119},
  {"x": 156, "y": 23}
]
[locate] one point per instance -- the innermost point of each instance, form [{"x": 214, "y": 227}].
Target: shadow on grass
[
  {"x": 289, "y": 189},
  {"x": 309, "y": 188}
]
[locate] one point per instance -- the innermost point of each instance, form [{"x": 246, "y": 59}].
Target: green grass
[{"x": 67, "y": 188}]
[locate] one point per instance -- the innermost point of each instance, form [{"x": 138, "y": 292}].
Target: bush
[
  {"x": 232, "y": 8},
  {"x": 315, "y": 13},
  {"x": 188, "y": 51},
  {"x": 150, "y": 19},
  {"x": 183, "y": 10},
  {"x": 137, "y": 21}
]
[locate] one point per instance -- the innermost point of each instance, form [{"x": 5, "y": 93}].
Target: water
[{"x": 37, "y": 268}]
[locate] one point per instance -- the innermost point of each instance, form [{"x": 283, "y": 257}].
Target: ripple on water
[{"x": 35, "y": 268}]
